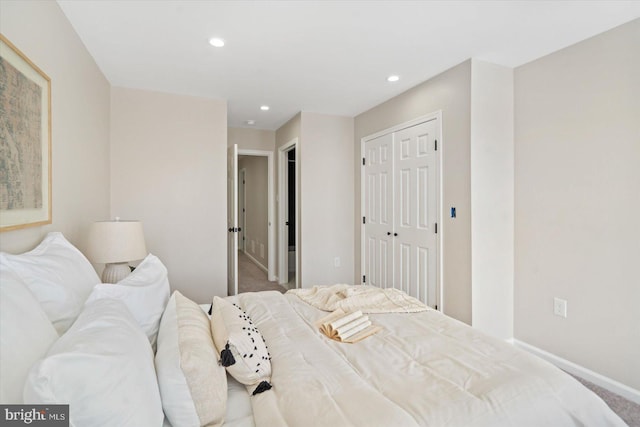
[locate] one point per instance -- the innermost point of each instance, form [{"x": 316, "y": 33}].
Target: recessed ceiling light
[
  {"x": 393, "y": 78},
  {"x": 250, "y": 122},
  {"x": 216, "y": 42},
  {"x": 264, "y": 108}
]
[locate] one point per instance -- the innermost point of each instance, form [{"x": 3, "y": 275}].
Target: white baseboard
[
  {"x": 256, "y": 262},
  {"x": 582, "y": 372}
]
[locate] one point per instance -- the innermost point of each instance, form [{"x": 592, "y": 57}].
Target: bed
[
  {"x": 119, "y": 355},
  {"x": 422, "y": 369}
]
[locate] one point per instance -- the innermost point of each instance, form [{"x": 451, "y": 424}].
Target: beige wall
[
  {"x": 492, "y": 198},
  {"x": 577, "y": 192},
  {"x": 168, "y": 156},
  {"x": 324, "y": 156},
  {"x": 80, "y": 121},
  {"x": 327, "y": 199},
  {"x": 252, "y": 139},
  {"x": 256, "y": 227},
  {"x": 451, "y": 93}
]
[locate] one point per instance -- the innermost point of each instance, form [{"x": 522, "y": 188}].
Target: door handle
[
  {"x": 395, "y": 234},
  {"x": 286, "y": 223},
  {"x": 388, "y": 233}
]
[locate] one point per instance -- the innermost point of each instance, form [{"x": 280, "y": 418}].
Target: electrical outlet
[
  {"x": 560, "y": 307},
  {"x": 336, "y": 262}
]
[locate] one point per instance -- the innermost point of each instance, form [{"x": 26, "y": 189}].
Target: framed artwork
[{"x": 25, "y": 141}]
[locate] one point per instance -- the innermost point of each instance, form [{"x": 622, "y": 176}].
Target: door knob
[
  {"x": 395, "y": 234},
  {"x": 388, "y": 233}
]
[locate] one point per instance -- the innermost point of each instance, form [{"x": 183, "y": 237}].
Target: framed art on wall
[{"x": 25, "y": 141}]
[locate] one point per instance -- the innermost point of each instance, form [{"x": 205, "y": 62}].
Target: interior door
[
  {"x": 379, "y": 212},
  {"x": 232, "y": 220},
  {"x": 415, "y": 211}
]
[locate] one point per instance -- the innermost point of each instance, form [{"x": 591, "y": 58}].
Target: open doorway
[
  {"x": 245, "y": 186},
  {"x": 256, "y": 251},
  {"x": 291, "y": 217},
  {"x": 254, "y": 221},
  {"x": 288, "y": 253}
]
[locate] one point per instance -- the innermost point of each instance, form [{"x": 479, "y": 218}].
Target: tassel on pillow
[
  {"x": 263, "y": 386},
  {"x": 226, "y": 357}
]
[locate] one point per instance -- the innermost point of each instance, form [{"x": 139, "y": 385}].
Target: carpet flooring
[
  {"x": 252, "y": 278},
  {"x": 627, "y": 410}
]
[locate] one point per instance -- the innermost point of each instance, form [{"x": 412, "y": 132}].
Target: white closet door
[
  {"x": 415, "y": 211},
  {"x": 379, "y": 212}
]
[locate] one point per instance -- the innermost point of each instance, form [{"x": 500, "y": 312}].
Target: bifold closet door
[
  {"x": 379, "y": 212},
  {"x": 401, "y": 210},
  {"x": 415, "y": 211}
]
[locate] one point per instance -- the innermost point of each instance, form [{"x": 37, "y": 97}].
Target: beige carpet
[
  {"x": 627, "y": 410},
  {"x": 252, "y": 278}
]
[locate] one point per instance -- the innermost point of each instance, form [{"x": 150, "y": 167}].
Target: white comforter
[{"x": 422, "y": 369}]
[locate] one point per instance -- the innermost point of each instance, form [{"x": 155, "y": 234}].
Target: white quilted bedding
[{"x": 422, "y": 369}]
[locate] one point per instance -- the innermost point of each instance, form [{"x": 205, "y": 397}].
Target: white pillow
[
  {"x": 25, "y": 336},
  {"x": 145, "y": 292},
  {"x": 241, "y": 346},
  {"x": 193, "y": 386},
  {"x": 58, "y": 275},
  {"x": 103, "y": 368}
]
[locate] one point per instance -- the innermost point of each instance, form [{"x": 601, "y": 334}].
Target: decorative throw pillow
[
  {"x": 242, "y": 348},
  {"x": 193, "y": 386},
  {"x": 145, "y": 292},
  {"x": 25, "y": 336},
  {"x": 103, "y": 368},
  {"x": 57, "y": 274}
]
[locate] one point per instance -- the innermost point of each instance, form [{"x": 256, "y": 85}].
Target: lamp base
[{"x": 115, "y": 272}]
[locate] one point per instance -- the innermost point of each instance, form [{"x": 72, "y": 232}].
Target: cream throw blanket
[{"x": 367, "y": 299}]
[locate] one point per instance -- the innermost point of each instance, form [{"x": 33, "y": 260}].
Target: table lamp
[{"x": 115, "y": 243}]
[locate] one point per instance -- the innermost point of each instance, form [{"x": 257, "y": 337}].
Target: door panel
[
  {"x": 232, "y": 220},
  {"x": 379, "y": 212},
  {"x": 423, "y": 194},
  {"x": 415, "y": 159}
]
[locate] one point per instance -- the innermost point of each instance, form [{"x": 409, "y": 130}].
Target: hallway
[{"x": 253, "y": 279}]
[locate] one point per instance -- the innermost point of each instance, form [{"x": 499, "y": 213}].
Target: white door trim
[
  {"x": 232, "y": 219},
  {"x": 283, "y": 245},
  {"x": 271, "y": 208},
  {"x": 242, "y": 203},
  {"x": 440, "y": 300}
]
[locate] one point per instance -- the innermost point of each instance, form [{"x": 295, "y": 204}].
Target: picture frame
[{"x": 25, "y": 141}]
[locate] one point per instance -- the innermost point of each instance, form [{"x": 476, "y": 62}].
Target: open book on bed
[{"x": 347, "y": 327}]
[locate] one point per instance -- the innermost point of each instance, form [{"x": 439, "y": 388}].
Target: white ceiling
[{"x": 320, "y": 56}]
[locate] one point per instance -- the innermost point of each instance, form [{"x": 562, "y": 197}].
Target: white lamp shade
[{"x": 116, "y": 241}]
